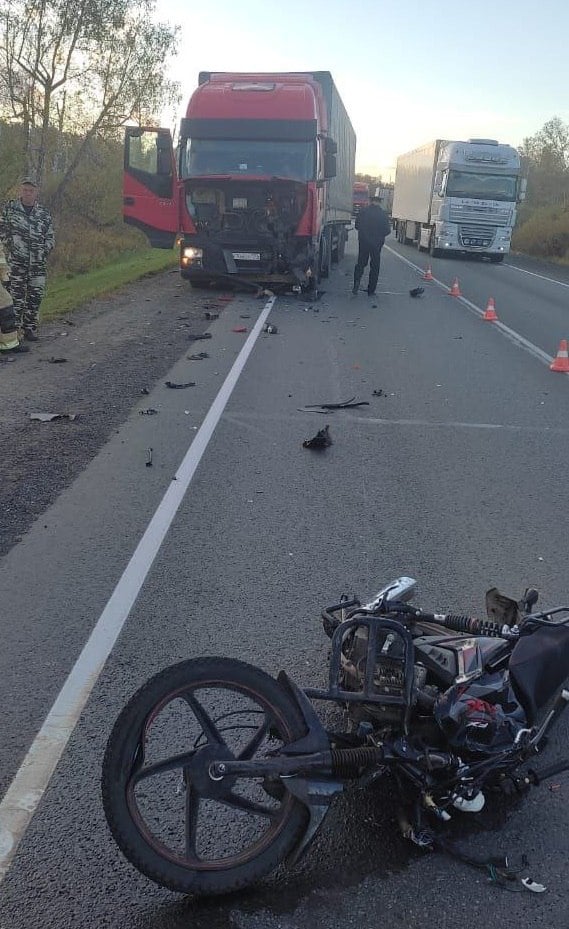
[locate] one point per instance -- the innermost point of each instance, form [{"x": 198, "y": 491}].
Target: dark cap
[{"x": 29, "y": 181}]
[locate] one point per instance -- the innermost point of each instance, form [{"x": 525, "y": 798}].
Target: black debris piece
[
  {"x": 244, "y": 316},
  {"x": 68, "y": 322},
  {"x": 202, "y": 335},
  {"x": 319, "y": 441},
  {"x": 416, "y": 291},
  {"x": 148, "y": 457},
  {"x": 55, "y": 361},
  {"x": 270, "y": 329},
  {"x": 52, "y": 417},
  {"x": 149, "y": 412},
  {"x": 145, "y": 391},
  {"x": 174, "y": 386},
  {"x": 341, "y": 405},
  {"x": 379, "y": 393},
  {"x": 209, "y": 315},
  {"x": 199, "y": 356}
]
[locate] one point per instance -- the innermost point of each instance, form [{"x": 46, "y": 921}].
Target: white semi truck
[{"x": 458, "y": 197}]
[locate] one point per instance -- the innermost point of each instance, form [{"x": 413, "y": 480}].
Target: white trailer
[{"x": 458, "y": 197}]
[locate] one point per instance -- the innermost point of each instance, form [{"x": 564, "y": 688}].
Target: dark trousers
[{"x": 371, "y": 253}]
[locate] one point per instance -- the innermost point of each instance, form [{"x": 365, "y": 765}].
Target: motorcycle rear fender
[{"x": 316, "y": 793}]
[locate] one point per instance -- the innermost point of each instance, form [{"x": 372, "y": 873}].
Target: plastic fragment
[
  {"x": 533, "y": 886},
  {"x": 51, "y": 417}
]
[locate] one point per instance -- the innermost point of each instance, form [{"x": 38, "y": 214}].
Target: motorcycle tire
[{"x": 123, "y": 764}]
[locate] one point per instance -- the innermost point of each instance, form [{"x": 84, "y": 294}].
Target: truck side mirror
[
  {"x": 330, "y": 169},
  {"x": 523, "y": 189}
]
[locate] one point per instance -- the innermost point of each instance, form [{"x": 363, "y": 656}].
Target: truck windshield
[
  {"x": 295, "y": 160},
  {"x": 481, "y": 186}
]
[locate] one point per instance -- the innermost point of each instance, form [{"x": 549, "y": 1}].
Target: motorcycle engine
[{"x": 388, "y": 678}]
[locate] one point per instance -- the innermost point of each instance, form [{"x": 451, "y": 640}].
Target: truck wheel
[
  {"x": 434, "y": 252},
  {"x": 324, "y": 258},
  {"x": 342, "y": 244},
  {"x": 496, "y": 259}
]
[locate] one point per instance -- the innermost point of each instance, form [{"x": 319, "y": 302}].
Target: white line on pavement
[
  {"x": 534, "y": 274},
  {"x": 510, "y": 334},
  {"x": 30, "y": 782}
]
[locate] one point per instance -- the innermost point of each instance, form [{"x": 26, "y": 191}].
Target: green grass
[{"x": 64, "y": 293}]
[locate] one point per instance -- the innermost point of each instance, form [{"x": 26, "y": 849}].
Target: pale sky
[{"x": 408, "y": 71}]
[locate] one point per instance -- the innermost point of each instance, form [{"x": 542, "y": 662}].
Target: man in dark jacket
[{"x": 373, "y": 227}]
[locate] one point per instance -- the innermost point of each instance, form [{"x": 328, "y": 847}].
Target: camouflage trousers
[{"x": 27, "y": 286}]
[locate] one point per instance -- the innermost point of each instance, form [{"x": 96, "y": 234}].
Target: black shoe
[
  {"x": 355, "y": 291},
  {"x": 371, "y": 293},
  {"x": 31, "y": 335}
]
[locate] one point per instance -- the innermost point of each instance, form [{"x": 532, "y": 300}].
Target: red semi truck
[
  {"x": 360, "y": 197},
  {"x": 260, "y": 188}
]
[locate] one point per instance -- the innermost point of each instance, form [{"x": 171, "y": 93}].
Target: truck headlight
[{"x": 191, "y": 253}]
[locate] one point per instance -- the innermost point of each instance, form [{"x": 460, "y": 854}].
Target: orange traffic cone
[
  {"x": 490, "y": 311},
  {"x": 561, "y": 361},
  {"x": 428, "y": 275},
  {"x": 455, "y": 289}
]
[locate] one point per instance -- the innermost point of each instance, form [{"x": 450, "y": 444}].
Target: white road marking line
[
  {"x": 535, "y": 274},
  {"x": 30, "y": 782},
  {"x": 510, "y": 334}
]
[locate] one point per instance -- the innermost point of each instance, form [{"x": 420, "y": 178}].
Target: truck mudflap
[{"x": 248, "y": 229}]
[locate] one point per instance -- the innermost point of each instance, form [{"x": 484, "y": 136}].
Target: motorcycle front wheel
[{"x": 171, "y": 820}]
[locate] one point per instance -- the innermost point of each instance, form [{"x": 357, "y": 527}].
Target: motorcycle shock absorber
[
  {"x": 472, "y": 626},
  {"x": 347, "y": 762}
]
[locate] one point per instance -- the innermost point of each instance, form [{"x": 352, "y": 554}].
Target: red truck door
[{"x": 150, "y": 185}]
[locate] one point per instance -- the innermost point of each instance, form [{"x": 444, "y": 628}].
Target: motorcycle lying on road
[{"x": 215, "y": 772}]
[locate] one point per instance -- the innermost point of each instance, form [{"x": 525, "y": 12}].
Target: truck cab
[{"x": 253, "y": 192}]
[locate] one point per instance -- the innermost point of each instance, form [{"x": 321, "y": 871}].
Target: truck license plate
[{"x": 247, "y": 256}]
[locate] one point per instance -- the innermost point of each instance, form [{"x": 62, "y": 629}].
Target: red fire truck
[{"x": 260, "y": 188}]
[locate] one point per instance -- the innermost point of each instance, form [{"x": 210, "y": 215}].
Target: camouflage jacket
[{"x": 27, "y": 239}]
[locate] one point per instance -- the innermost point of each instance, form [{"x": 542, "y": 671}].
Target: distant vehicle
[
  {"x": 360, "y": 197},
  {"x": 458, "y": 197},
  {"x": 262, "y": 188},
  {"x": 385, "y": 194}
]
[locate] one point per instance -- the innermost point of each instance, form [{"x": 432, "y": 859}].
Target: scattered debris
[
  {"x": 320, "y": 440},
  {"x": 51, "y": 417},
  {"x": 416, "y": 291},
  {"x": 239, "y": 329},
  {"x": 379, "y": 393},
  {"x": 341, "y": 405},
  {"x": 148, "y": 457},
  {"x": 145, "y": 391},
  {"x": 149, "y": 412},
  {"x": 174, "y": 386},
  {"x": 203, "y": 335},
  {"x": 68, "y": 322},
  {"x": 199, "y": 356},
  {"x": 54, "y": 361},
  {"x": 209, "y": 315},
  {"x": 268, "y": 327},
  {"x": 244, "y": 316}
]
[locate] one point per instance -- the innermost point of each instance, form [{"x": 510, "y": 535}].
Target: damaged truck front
[{"x": 261, "y": 188}]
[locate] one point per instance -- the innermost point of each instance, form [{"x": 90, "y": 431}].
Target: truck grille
[
  {"x": 477, "y": 236},
  {"x": 473, "y": 214}
]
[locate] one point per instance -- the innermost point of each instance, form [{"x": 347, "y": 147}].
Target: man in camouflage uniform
[{"x": 26, "y": 230}]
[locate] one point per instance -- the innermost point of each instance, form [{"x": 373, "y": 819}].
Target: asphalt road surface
[{"x": 235, "y": 538}]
